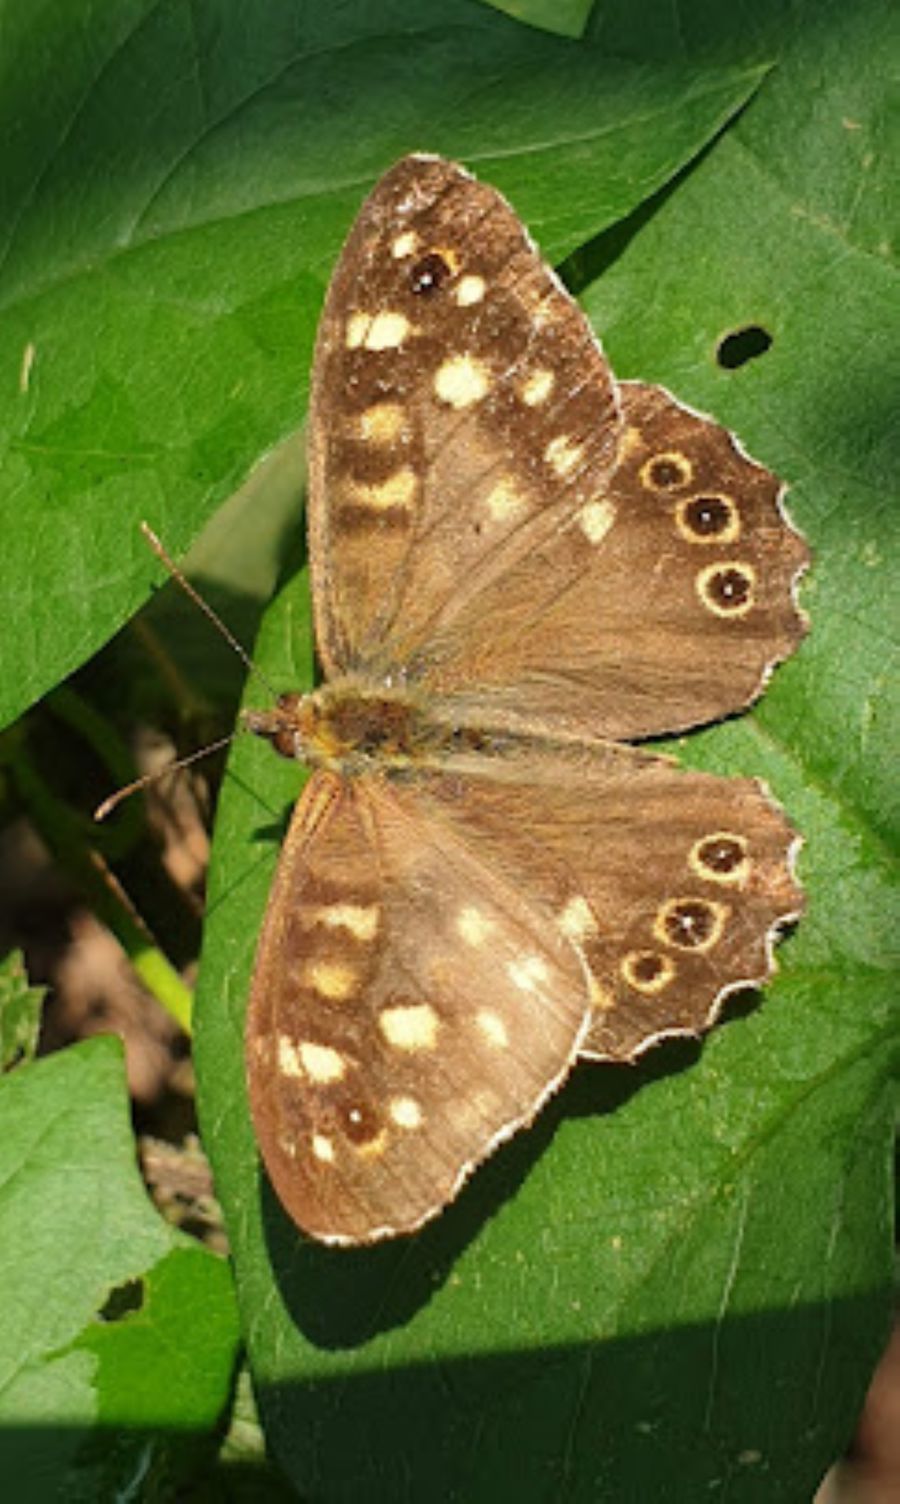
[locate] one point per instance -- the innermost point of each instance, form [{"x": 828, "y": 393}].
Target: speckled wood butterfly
[{"x": 519, "y": 566}]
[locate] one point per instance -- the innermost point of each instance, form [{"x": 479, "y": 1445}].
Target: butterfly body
[
  {"x": 350, "y": 728},
  {"x": 519, "y": 567}
]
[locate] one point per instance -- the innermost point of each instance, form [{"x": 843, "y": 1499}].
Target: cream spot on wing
[
  {"x": 387, "y": 331},
  {"x": 461, "y": 381},
  {"x": 332, "y": 980},
  {"x": 596, "y": 518},
  {"x": 410, "y": 1026},
  {"x": 360, "y": 919},
  {"x": 528, "y": 972},
  {"x": 382, "y": 423},
  {"x": 449, "y": 256},
  {"x": 288, "y": 1057},
  {"x": 405, "y": 1112},
  {"x": 473, "y": 926},
  {"x": 505, "y": 501},
  {"x": 323, "y": 1148},
  {"x": 549, "y": 307},
  {"x": 537, "y": 387},
  {"x": 471, "y": 289},
  {"x": 287, "y": 1146},
  {"x": 602, "y": 1000},
  {"x": 630, "y": 441},
  {"x": 398, "y": 490},
  {"x": 321, "y": 1063},
  {"x": 577, "y": 920},
  {"x": 357, "y": 328},
  {"x": 404, "y": 244},
  {"x": 374, "y": 1147},
  {"x": 492, "y": 1027},
  {"x": 563, "y": 454}
]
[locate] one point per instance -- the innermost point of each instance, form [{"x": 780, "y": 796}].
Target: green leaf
[
  {"x": 676, "y": 1284},
  {"x": 568, "y": 18},
  {"x": 20, "y": 1012},
  {"x": 118, "y": 1338},
  {"x": 175, "y": 189}
]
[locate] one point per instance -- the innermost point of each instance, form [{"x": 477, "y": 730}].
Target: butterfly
[{"x": 520, "y": 566}]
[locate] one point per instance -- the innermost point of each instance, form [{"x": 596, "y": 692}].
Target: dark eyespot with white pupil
[
  {"x": 647, "y": 967},
  {"x": 721, "y": 854},
  {"x": 730, "y": 588},
  {"x": 429, "y": 274},
  {"x": 359, "y": 1122},
  {"x": 690, "y": 923},
  {"x": 667, "y": 472},
  {"x": 707, "y": 516}
]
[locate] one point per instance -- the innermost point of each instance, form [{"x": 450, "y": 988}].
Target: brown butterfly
[{"x": 518, "y": 565}]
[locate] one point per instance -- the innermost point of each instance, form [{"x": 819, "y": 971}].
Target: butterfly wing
[
  {"x": 672, "y": 884},
  {"x": 492, "y": 517},
  {"x": 389, "y": 1046},
  {"x": 443, "y": 337},
  {"x": 662, "y": 603}
]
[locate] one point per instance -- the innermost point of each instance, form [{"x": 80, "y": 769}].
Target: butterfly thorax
[{"x": 350, "y": 727}]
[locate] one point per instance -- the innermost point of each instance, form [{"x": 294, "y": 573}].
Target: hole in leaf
[
  {"x": 741, "y": 345},
  {"x": 122, "y": 1300}
]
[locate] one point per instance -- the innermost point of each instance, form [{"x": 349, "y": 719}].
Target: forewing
[
  {"x": 661, "y": 602},
  {"x": 671, "y": 884},
  {"x": 458, "y": 398},
  {"x": 412, "y": 1005}
]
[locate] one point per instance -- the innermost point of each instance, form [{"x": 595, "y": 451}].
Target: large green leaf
[
  {"x": 567, "y": 17},
  {"x": 175, "y": 188},
  {"x": 108, "y": 1379},
  {"x": 677, "y": 1283}
]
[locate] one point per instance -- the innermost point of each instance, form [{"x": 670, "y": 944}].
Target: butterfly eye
[{"x": 429, "y": 274}]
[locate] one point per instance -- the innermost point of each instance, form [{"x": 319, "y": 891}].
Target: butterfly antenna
[
  {"x": 114, "y": 800},
  {"x": 205, "y": 607},
  {"x": 108, "y": 805}
]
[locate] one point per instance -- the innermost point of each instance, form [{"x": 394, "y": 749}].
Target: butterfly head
[{"x": 287, "y": 727}]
